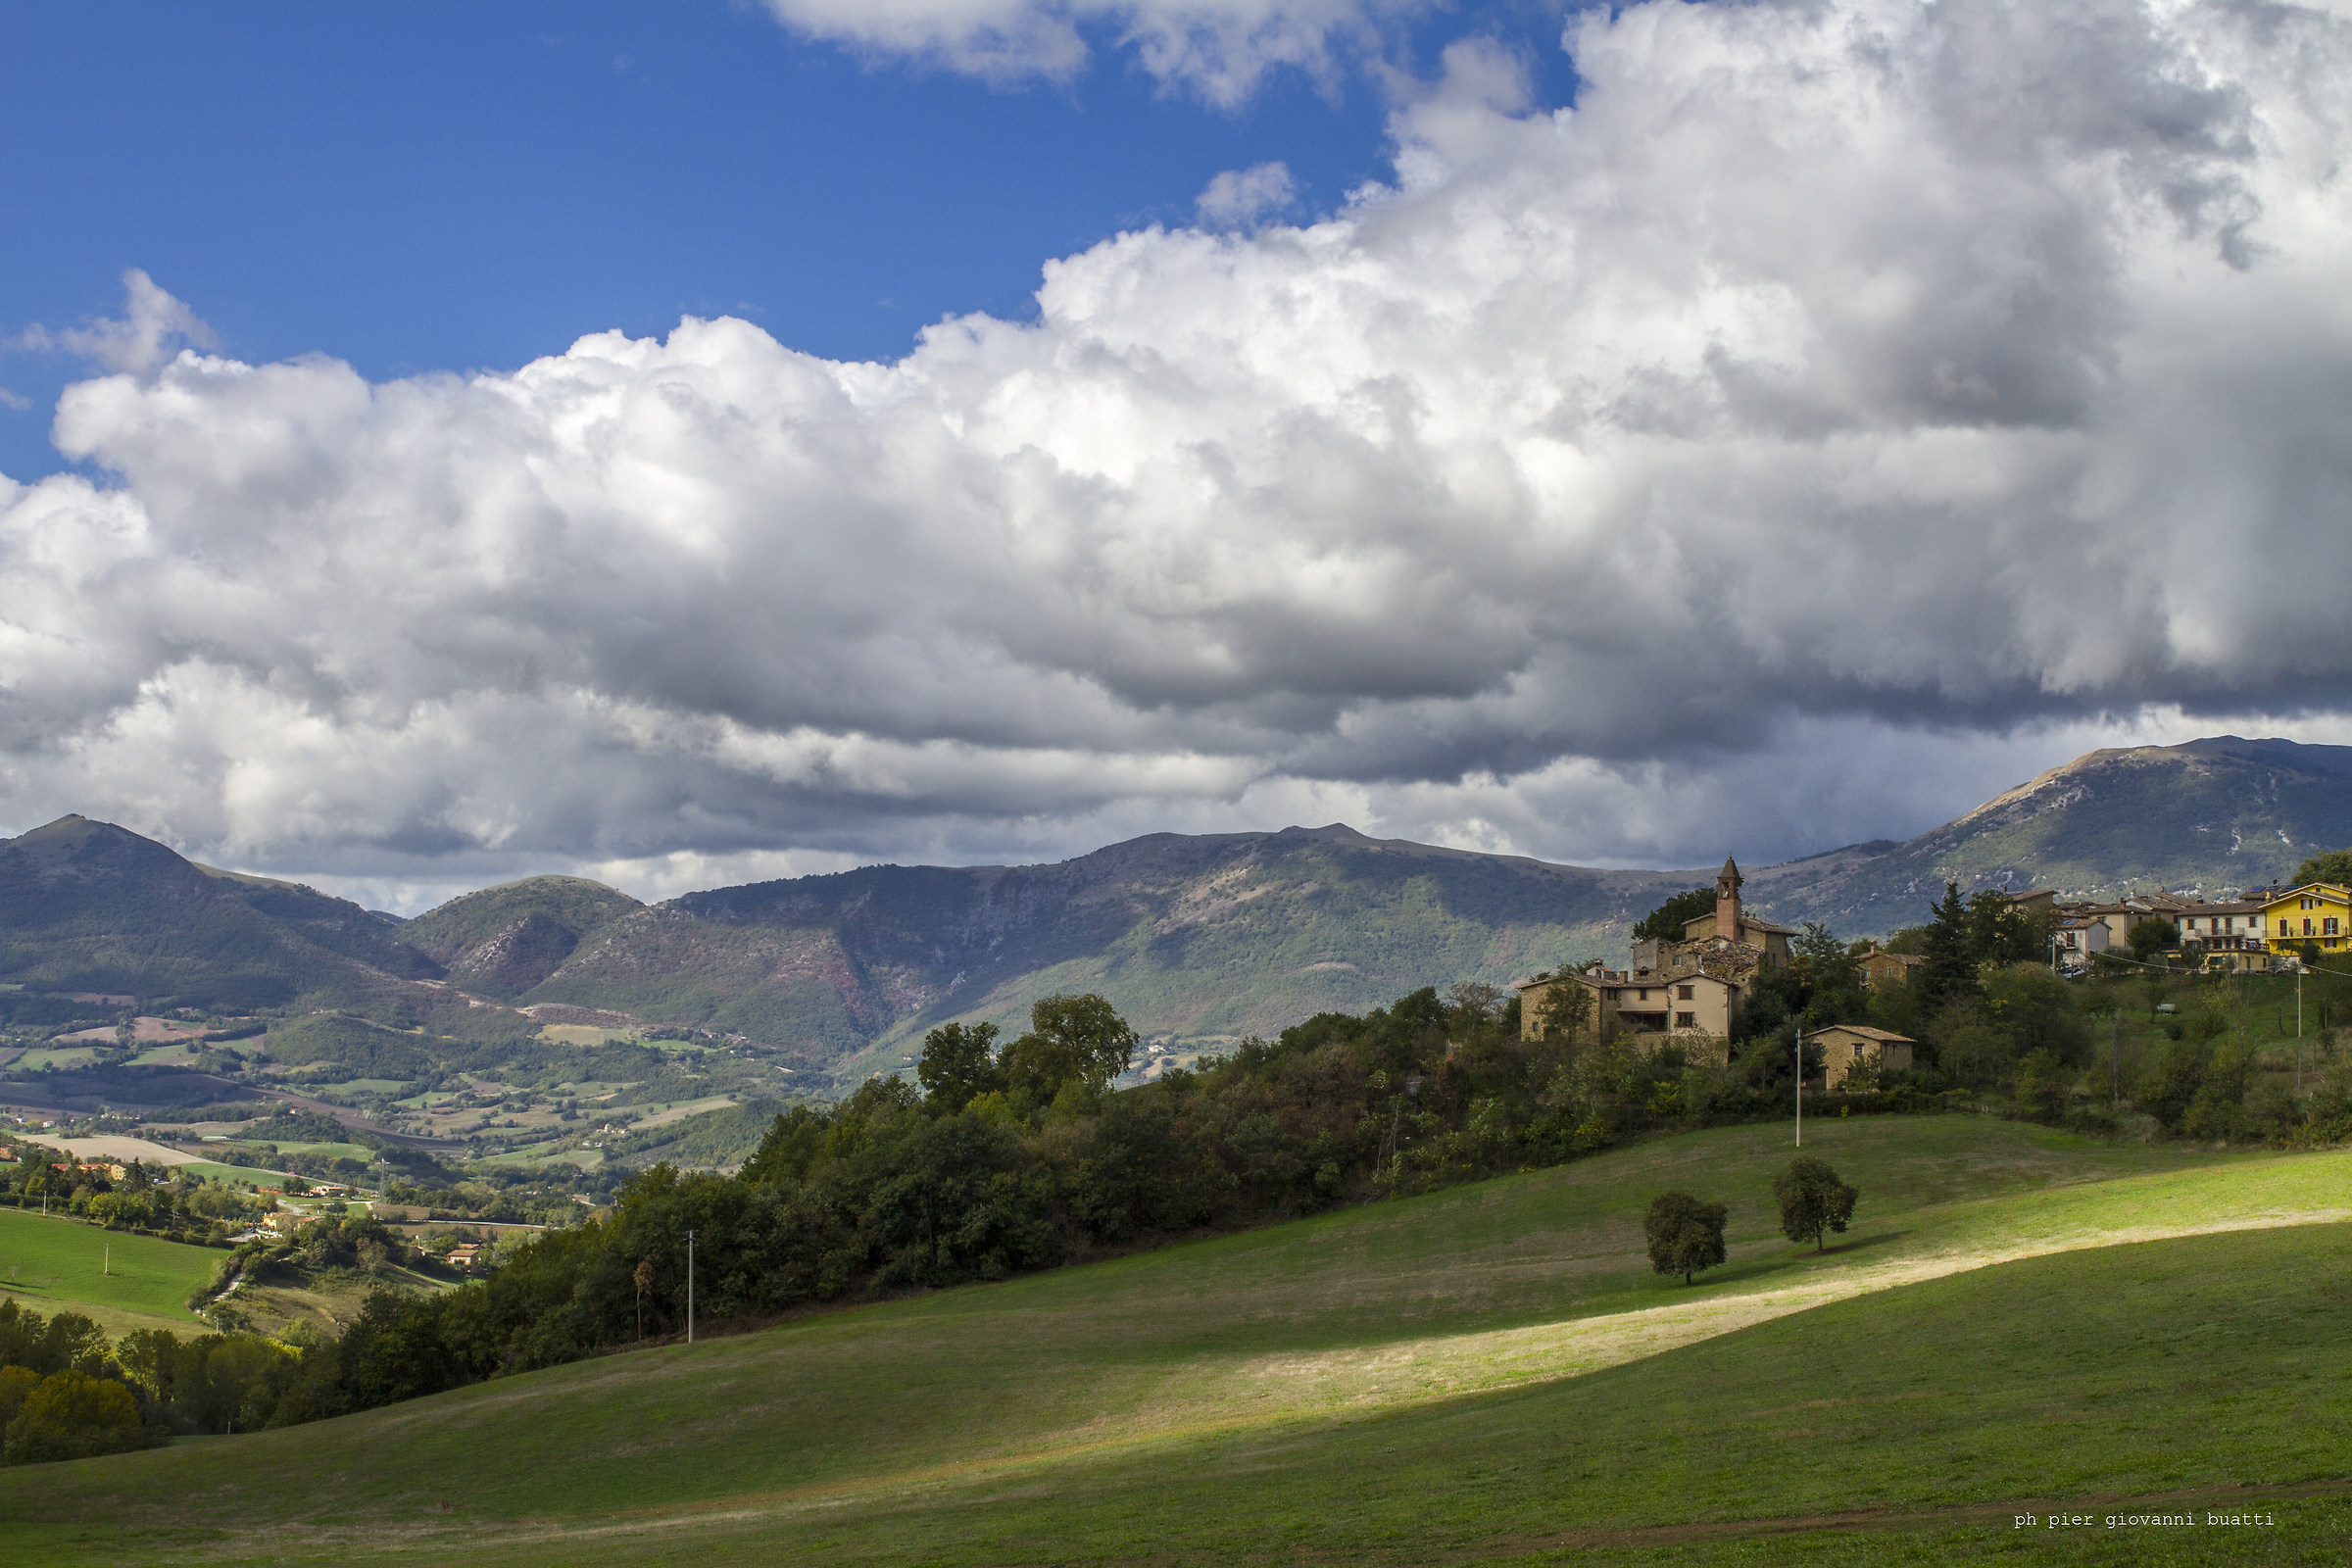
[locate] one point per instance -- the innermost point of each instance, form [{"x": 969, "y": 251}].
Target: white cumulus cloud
[
  {"x": 1712, "y": 464},
  {"x": 1222, "y": 50},
  {"x": 152, "y": 328},
  {"x": 1240, "y": 196}
]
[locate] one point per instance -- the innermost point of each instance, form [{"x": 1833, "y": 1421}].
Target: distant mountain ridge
[
  {"x": 2207, "y": 817},
  {"x": 89, "y": 906},
  {"x": 1194, "y": 937}
]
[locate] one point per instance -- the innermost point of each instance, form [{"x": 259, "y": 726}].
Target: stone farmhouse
[{"x": 1845, "y": 1046}]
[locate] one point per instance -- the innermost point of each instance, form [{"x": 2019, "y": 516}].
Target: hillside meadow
[
  {"x": 123, "y": 1281},
  {"x": 1487, "y": 1371}
]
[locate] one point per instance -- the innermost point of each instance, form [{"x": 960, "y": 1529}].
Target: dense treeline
[
  {"x": 66, "y": 1393},
  {"x": 1013, "y": 1156}
]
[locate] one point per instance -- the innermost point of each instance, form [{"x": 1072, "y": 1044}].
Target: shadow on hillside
[
  {"x": 1759, "y": 1268},
  {"x": 1860, "y": 1244}
]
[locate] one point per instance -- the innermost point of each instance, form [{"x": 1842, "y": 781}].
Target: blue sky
[
  {"x": 504, "y": 438},
  {"x": 449, "y": 186}
]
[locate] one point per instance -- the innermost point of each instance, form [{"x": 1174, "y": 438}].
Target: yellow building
[{"x": 2317, "y": 913}]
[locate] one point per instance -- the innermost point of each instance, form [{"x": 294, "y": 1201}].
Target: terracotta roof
[{"x": 1884, "y": 1037}]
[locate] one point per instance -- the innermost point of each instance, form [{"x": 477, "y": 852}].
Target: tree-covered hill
[
  {"x": 88, "y": 907},
  {"x": 1191, "y": 937},
  {"x": 503, "y": 941}
]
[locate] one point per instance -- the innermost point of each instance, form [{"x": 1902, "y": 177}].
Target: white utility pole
[
  {"x": 1801, "y": 1087},
  {"x": 690, "y": 1287}
]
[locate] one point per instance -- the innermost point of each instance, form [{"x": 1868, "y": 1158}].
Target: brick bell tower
[{"x": 1727, "y": 901}]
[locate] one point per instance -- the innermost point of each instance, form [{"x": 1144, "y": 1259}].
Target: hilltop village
[{"x": 1694, "y": 989}]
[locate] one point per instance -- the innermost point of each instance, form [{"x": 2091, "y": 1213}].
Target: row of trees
[{"x": 66, "y": 1393}]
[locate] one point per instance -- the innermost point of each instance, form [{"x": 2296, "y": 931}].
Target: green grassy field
[
  {"x": 333, "y": 1151},
  {"x": 2019, "y": 1319},
  {"x": 233, "y": 1175},
  {"x": 52, "y": 1265}
]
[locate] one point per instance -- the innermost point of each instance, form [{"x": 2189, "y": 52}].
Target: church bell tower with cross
[{"x": 1727, "y": 901}]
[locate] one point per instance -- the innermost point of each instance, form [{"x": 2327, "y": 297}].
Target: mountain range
[{"x": 1197, "y": 938}]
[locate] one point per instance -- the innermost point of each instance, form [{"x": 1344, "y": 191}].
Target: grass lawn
[
  {"x": 1491, "y": 1372},
  {"x": 54, "y": 1264},
  {"x": 580, "y": 1159},
  {"x": 582, "y": 1034},
  {"x": 56, "y": 1056}
]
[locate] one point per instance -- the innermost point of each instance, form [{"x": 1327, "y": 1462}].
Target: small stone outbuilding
[{"x": 1847, "y": 1046}]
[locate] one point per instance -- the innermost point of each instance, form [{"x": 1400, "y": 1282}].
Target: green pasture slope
[
  {"x": 2020, "y": 1320},
  {"x": 54, "y": 1266}
]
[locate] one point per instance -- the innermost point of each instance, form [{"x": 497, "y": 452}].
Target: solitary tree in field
[
  {"x": 1812, "y": 1199},
  {"x": 1684, "y": 1235}
]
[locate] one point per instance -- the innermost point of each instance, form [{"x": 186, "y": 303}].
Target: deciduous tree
[
  {"x": 959, "y": 1064},
  {"x": 1812, "y": 1199},
  {"x": 1666, "y": 922},
  {"x": 1684, "y": 1235},
  {"x": 1079, "y": 1040}
]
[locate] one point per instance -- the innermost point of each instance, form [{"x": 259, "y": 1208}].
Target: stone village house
[{"x": 1696, "y": 987}]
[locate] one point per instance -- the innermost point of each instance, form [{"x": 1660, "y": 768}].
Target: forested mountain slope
[
  {"x": 1190, "y": 936},
  {"x": 503, "y": 941},
  {"x": 88, "y": 907}
]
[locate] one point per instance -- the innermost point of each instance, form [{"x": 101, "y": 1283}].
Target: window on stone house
[
  {"x": 1685, "y": 1020},
  {"x": 1686, "y": 992}
]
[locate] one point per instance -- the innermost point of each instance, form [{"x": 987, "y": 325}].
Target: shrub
[{"x": 72, "y": 1415}]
